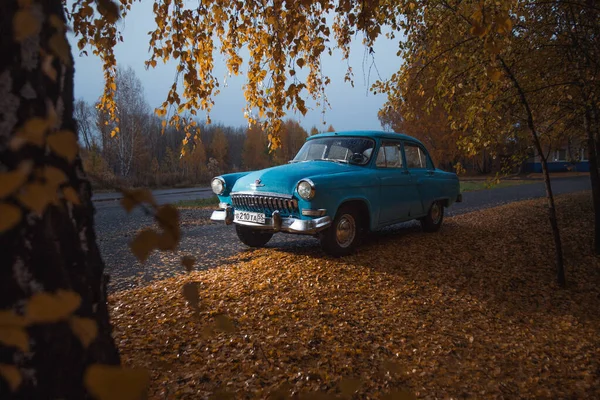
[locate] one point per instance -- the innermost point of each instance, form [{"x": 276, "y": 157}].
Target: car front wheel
[
  {"x": 252, "y": 237},
  {"x": 342, "y": 237},
  {"x": 434, "y": 218}
]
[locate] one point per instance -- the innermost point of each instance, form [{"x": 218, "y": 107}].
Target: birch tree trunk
[{"x": 57, "y": 249}]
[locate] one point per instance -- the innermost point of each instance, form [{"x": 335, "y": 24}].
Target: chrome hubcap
[
  {"x": 345, "y": 231},
  {"x": 436, "y": 213}
]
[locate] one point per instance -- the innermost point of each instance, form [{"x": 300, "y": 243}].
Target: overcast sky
[{"x": 351, "y": 107}]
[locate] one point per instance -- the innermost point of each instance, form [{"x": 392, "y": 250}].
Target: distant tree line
[{"x": 144, "y": 151}]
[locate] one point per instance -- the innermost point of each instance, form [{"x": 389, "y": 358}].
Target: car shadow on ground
[{"x": 506, "y": 266}]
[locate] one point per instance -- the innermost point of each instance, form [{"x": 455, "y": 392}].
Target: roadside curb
[{"x": 119, "y": 197}]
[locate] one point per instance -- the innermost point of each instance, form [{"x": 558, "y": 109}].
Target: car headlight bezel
[
  {"x": 217, "y": 185},
  {"x": 306, "y": 189}
]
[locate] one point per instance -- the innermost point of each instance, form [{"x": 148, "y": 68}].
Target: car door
[
  {"x": 422, "y": 171},
  {"x": 398, "y": 192}
]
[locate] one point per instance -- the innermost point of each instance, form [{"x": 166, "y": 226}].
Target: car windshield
[{"x": 338, "y": 149}]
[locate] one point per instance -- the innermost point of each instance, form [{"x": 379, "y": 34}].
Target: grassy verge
[
  {"x": 469, "y": 186},
  {"x": 199, "y": 203},
  {"x": 469, "y": 312}
]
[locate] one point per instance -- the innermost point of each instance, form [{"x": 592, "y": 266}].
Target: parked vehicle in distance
[{"x": 339, "y": 186}]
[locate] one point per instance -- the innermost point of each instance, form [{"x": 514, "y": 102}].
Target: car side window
[
  {"x": 416, "y": 157},
  {"x": 389, "y": 156}
]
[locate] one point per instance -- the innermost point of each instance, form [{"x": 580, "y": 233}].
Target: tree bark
[
  {"x": 57, "y": 249},
  {"x": 558, "y": 253},
  {"x": 593, "y": 144}
]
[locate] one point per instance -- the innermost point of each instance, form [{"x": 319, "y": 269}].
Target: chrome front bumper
[{"x": 276, "y": 223}]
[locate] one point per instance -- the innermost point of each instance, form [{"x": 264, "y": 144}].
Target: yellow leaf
[
  {"x": 71, "y": 195},
  {"x": 85, "y": 329},
  {"x": 223, "y": 323},
  {"x": 25, "y": 24},
  {"x": 109, "y": 10},
  {"x": 12, "y": 375},
  {"x": 11, "y": 181},
  {"x": 349, "y": 386},
  {"x": 60, "y": 47},
  {"x": 54, "y": 176},
  {"x": 494, "y": 74},
  {"x": 300, "y": 62},
  {"x": 14, "y": 337},
  {"x": 478, "y": 30},
  {"x": 36, "y": 197},
  {"x": 11, "y": 319},
  {"x": 399, "y": 395},
  {"x": 503, "y": 25},
  {"x": 144, "y": 243},
  {"x": 64, "y": 143},
  {"x": 46, "y": 307},
  {"x": 132, "y": 198},
  {"x": 167, "y": 217},
  {"x": 106, "y": 382},
  {"x": 56, "y": 22},
  {"x": 190, "y": 293},
  {"x": 188, "y": 262},
  {"x": 31, "y": 132},
  {"x": 10, "y": 216}
]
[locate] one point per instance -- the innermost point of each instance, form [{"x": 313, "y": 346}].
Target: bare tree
[
  {"x": 132, "y": 112},
  {"x": 84, "y": 115}
]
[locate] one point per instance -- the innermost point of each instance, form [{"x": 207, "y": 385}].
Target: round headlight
[
  {"x": 306, "y": 189},
  {"x": 217, "y": 185}
]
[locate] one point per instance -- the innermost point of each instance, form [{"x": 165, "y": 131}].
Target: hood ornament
[{"x": 257, "y": 183}]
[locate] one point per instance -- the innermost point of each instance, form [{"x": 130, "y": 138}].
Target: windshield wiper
[{"x": 336, "y": 160}]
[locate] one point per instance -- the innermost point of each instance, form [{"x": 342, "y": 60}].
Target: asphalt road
[{"x": 212, "y": 243}]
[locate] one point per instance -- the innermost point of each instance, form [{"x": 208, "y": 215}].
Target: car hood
[{"x": 283, "y": 179}]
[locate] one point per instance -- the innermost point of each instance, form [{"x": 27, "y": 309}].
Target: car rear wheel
[
  {"x": 252, "y": 237},
  {"x": 434, "y": 218},
  {"x": 342, "y": 237}
]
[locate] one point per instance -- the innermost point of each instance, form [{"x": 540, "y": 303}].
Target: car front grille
[{"x": 262, "y": 203}]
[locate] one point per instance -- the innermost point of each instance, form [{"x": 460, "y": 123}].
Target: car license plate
[{"x": 245, "y": 216}]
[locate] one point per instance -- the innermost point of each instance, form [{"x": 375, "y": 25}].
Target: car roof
[{"x": 369, "y": 134}]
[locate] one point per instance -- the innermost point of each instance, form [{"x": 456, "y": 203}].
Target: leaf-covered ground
[{"x": 470, "y": 312}]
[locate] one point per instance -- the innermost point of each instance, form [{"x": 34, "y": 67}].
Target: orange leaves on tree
[{"x": 107, "y": 382}]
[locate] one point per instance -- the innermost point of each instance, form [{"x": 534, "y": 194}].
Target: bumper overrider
[{"x": 276, "y": 223}]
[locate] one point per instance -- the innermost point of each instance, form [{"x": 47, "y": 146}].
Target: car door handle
[{"x": 430, "y": 173}]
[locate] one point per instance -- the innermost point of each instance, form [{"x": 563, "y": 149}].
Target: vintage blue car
[{"x": 339, "y": 186}]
